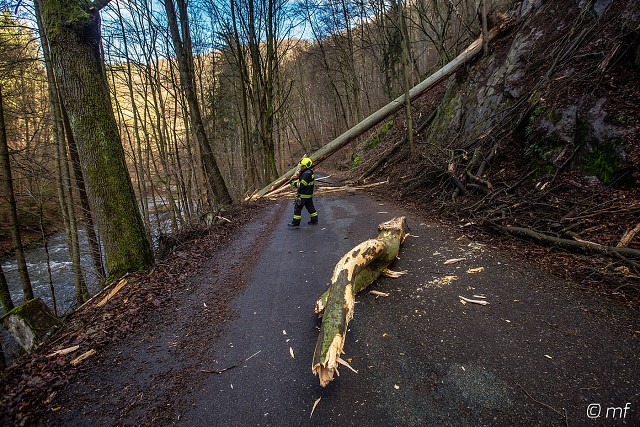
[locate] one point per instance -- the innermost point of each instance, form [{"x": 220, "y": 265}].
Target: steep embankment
[{"x": 540, "y": 134}]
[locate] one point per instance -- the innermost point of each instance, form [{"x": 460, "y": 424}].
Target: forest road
[{"x": 236, "y": 349}]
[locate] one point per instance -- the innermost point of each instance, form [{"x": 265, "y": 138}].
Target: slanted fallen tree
[
  {"x": 356, "y": 270},
  {"x": 345, "y": 138}
]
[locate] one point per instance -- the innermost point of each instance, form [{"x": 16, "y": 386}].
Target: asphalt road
[{"x": 540, "y": 353}]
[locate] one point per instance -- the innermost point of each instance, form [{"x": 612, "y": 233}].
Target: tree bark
[
  {"x": 354, "y": 272},
  {"x": 68, "y": 205},
  {"x": 485, "y": 27},
  {"x": 73, "y": 33},
  {"x": 7, "y": 189},
  {"x": 92, "y": 238},
  {"x": 467, "y": 55}
]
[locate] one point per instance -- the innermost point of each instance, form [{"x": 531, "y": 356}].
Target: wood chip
[
  {"x": 474, "y": 301},
  {"x": 78, "y": 360},
  {"x": 223, "y": 218},
  {"x": 548, "y": 357},
  {"x": 314, "y": 406},
  {"x": 442, "y": 281},
  {"x": 475, "y": 270},
  {"x": 291, "y": 352},
  {"x": 64, "y": 351},
  {"x": 379, "y": 294},
  {"x": 344, "y": 363},
  {"x": 453, "y": 260},
  {"x": 114, "y": 291}
]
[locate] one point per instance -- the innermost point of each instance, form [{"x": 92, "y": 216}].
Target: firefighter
[{"x": 304, "y": 198}]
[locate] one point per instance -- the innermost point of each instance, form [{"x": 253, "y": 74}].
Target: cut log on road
[
  {"x": 356, "y": 270},
  {"x": 467, "y": 55}
]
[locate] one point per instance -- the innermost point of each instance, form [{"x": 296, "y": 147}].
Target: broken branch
[
  {"x": 572, "y": 245},
  {"x": 628, "y": 236}
]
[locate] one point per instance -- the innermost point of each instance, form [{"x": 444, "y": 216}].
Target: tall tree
[
  {"x": 181, "y": 37},
  {"x": 65, "y": 192},
  {"x": 73, "y": 33},
  {"x": 405, "y": 73},
  {"x": 7, "y": 189}
]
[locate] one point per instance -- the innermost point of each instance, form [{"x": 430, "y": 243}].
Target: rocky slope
[{"x": 542, "y": 134}]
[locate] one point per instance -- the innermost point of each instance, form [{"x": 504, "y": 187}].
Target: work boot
[{"x": 294, "y": 224}]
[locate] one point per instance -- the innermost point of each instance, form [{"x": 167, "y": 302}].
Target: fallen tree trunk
[
  {"x": 354, "y": 272},
  {"x": 467, "y": 55},
  {"x": 573, "y": 245}
]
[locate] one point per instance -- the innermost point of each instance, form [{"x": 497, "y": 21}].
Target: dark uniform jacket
[{"x": 305, "y": 184}]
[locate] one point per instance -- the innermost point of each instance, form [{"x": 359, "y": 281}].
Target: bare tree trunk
[
  {"x": 5, "y": 295},
  {"x": 61, "y": 125},
  {"x": 216, "y": 187},
  {"x": 7, "y": 189},
  {"x": 45, "y": 243},
  {"x": 81, "y": 291},
  {"x": 485, "y": 29},
  {"x": 405, "y": 75},
  {"x": 136, "y": 150}
]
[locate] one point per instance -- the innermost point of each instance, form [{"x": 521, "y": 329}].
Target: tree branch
[
  {"x": 99, "y": 5},
  {"x": 572, "y": 245}
]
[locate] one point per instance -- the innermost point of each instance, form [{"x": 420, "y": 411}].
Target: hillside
[{"x": 540, "y": 134}]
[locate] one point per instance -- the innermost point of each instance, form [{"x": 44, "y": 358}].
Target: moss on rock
[{"x": 31, "y": 323}]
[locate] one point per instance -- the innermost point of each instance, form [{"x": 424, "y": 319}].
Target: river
[{"x": 62, "y": 275}]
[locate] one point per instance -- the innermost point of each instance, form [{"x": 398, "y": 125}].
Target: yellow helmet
[{"x": 306, "y": 162}]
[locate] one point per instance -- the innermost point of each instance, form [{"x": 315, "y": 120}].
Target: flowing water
[
  {"x": 62, "y": 276},
  {"x": 61, "y": 273}
]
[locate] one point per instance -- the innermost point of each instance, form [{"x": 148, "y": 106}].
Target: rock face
[
  {"x": 31, "y": 323},
  {"x": 564, "y": 83}
]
